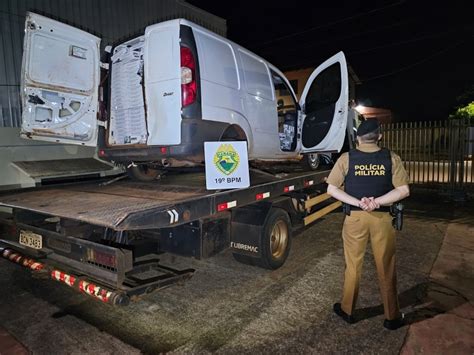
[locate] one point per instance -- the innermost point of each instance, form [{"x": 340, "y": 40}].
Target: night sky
[{"x": 413, "y": 57}]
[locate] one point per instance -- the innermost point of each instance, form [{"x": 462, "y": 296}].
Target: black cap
[{"x": 368, "y": 126}]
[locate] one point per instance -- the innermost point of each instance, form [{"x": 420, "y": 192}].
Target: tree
[
  {"x": 465, "y": 111},
  {"x": 465, "y": 107}
]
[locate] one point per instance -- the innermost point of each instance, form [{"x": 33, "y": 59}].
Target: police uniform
[{"x": 369, "y": 171}]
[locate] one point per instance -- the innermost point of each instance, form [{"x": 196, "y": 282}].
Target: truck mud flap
[{"x": 247, "y": 226}]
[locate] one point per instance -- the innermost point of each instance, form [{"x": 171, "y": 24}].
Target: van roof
[{"x": 182, "y": 21}]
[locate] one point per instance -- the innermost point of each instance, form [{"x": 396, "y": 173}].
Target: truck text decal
[{"x": 245, "y": 247}]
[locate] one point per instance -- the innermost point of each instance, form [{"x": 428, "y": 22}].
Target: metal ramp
[{"x": 51, "y": 169}]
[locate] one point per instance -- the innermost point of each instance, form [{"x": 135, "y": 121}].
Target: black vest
[{"x": 370, "y": 174}]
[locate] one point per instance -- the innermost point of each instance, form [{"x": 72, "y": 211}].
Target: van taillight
[{"x": 188, "y": 77}]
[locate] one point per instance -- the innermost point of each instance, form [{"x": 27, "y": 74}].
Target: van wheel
[
  {"x": 143, "y": 172},
  {"x": 311, "y": 161},
  {"x": 233, "y": 133},
  {"x": 276, "y": 239}
]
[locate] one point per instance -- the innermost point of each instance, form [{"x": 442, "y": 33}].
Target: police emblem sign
[{"x": 227, "y": 165}]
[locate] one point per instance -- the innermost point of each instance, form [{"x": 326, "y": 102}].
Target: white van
[{"x": 157, "y": 98}]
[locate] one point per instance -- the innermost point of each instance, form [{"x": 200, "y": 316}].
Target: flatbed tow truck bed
[
  {"x": 99, "y": 236},
  {"x": 134, "y": 205}
]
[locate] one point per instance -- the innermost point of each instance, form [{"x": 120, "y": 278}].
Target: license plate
[{"x": 31, "y": 239}]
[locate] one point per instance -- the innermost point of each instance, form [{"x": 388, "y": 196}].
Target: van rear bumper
[{"x": 194, "y": 132}]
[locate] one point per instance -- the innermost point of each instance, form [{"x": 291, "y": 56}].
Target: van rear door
[
  {"x": 162, "y": 69},
  {"x": 60, "y": 80},
  {"x": 324, "y": 102}
]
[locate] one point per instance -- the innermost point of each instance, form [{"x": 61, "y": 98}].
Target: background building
[
  {"x": 299, "y": 77},
  {"x": 382, "y": 115}
]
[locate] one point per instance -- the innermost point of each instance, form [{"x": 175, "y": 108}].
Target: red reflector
[
  {"x": 101, "y": 153},
  {"x": 226, "y": 205},
  {"x": 259, "y": 196},
  {"x": 221, "y": 207},
  {"x": 163, "y": 150}
]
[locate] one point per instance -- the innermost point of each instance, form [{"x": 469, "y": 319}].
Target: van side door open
[
  {"x": 60, "y": 82},
  {"x": 163, "y": 56},
  {"x": 324, "y": 104}
]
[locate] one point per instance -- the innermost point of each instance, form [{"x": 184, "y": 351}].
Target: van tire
[
  {"x": 143, "y": 172},
  {"x": 275, "y": 239},
  {"x": 311, "y": 161},
  {"x": 233, "y": 133}
]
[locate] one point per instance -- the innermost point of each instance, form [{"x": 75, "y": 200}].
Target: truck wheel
[
  {"x": 143, "y": 172},
  {"x": 311, "y": 161},
  {"x": 276, "y": 239}
]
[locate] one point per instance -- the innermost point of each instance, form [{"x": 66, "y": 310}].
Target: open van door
[
  {"x": 60, "y": 82},
  {"x": 324, "y": 104},
  {"x": 163, "y": 57}
]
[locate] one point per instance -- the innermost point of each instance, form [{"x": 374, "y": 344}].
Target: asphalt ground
[{"x": 228, "y": 307}]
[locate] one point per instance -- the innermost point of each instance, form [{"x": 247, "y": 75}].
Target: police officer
[{"x": 373, "y": 179}]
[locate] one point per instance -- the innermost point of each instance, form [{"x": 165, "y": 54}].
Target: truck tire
[
  {"x": 244, "y": 259},
  {"x": 276, "y": 239},
  {"x": 311, "y": 161},
  {"x": 143, "y": 172}
]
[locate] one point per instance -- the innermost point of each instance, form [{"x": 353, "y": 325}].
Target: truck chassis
[{"x": 104, "y": 238}]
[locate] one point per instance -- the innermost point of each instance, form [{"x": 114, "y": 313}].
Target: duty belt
[{"x": 381, "y": 209}]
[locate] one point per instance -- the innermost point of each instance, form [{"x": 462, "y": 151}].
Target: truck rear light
[
  {"x": 163, "y": 150},
  {"x": 102, "y": 259},
  {"x": 226, "y": 205},
  {"x": 262, "y": 196},
  {"x": 188, "y": 77}
]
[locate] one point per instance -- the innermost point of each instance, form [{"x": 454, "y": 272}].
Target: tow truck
[{"x": 104, "y": 238}]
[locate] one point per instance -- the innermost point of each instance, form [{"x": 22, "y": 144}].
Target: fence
[{"x": 438, "y": 154}]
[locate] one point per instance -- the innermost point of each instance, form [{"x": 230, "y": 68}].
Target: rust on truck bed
[
  {"x": 94, "y": 203},
  {"x": 131, "y": 205}
]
